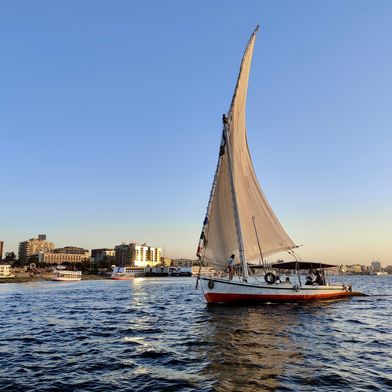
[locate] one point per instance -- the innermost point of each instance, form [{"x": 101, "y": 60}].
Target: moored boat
[
  {"x": 156, "y": 271},
  {"x": 62, "y": 275},
  {"x": 5, "y": 271},
  {"x": 122, "y": 273},
  {"x": 180, "y": 271},
  {"x": 240, "y": 222}
]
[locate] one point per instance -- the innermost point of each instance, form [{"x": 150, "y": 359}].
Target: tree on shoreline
[{"x": 10, "y": 257}]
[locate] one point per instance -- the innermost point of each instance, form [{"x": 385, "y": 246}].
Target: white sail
[{"x": 255, "y": 218}]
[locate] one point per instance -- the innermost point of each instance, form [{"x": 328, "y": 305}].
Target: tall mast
[{"x": 235, "y": 205}]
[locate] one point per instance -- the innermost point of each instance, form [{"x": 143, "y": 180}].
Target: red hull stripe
[{"x": 220, "y": 297}]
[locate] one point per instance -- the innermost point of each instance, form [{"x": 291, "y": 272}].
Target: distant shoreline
[
  {"x": 48, "y": 278},
  {"x": 28, "y": 279}
]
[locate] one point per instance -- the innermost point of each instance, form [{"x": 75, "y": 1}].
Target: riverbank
[
  {"x": 43, "y": 278},
  {"x": 40, "y": 278}
]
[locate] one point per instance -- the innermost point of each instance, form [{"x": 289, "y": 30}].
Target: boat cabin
[{"x": 308, "y": 273}]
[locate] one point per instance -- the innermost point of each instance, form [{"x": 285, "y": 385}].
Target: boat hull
[
  {"x": 218, "y": 290},
  {"x": 66, "y": 279}
]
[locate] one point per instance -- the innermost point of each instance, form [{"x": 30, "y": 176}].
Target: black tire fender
[
  {"x": 211, "y": 284},
  {"x": 296, "y": 287},
  {"x": 270, "y": 278}
]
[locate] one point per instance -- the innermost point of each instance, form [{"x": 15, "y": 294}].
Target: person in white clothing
[{"x": 230, "y": 266}]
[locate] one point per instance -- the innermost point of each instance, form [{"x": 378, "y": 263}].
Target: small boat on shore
[
  {"x": 122, "y": 273},
  {"x": 60, "y": 274},
  {"x": 240, "y": 222}
]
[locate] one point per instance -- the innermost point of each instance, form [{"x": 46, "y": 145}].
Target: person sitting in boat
[
  {"x": 320, "y": 280},
  {"x": 309, "y": 281},
  {"x": 230, "y": 266}
]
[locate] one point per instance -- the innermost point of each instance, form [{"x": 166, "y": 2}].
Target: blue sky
[{"x": 110, "y": 120}]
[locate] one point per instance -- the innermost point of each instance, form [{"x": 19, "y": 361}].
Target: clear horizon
[{"x": 111, "y": 119}]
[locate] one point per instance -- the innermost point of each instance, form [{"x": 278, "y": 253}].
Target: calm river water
[{"x": 157, "y": 334}]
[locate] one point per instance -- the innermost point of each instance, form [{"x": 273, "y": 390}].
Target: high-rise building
[
  {"x": 123, "y": 255},
  {"x": 154, "y": 255},
  {"x": 30, "y": 249},
  {"x": 1, "y": 250},
  {"x": 137, "y": 255},
  {"x": 376, "y": 266}
]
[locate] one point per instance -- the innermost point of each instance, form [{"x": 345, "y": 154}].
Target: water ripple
[{"x": 159, "y": 335}]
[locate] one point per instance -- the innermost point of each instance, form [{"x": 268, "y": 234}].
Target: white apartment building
[{"x": 137, "y": 255}]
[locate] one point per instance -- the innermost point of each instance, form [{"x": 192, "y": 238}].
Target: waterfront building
[
  {"x": 363, "y": 269},
  {"x": 135, "y": 255},
  {"x": 123, "y": 256},
  {"x": 103, "y": 254},
  {"x": 182, "y": 262},
  {"x": 29, "y": 250},
  {"x": 376, "y": 266},
  {"x": 140, "y": 255},
  {"x": 357, "y": 268},
  {"x": 353, "y": 269},
  {"x": 166, "y": 261},
  {"x": 68, "y": 254},
  {"x": 102, "y": 258},
  {"x": 154, "y": 255},
  {"x": 388, "y": 269},
  {"x": 1, "y": 250}
]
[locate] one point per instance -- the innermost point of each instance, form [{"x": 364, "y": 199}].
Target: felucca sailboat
[{"x": 240, "y": 222}]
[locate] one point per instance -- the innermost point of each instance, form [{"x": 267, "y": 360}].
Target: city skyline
[
  {"x": 111, "y": 120},
  {"x": 384, "y": 263}
]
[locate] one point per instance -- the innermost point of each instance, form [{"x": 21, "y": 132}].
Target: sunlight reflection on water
[{"x": 158, "y": 334}]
